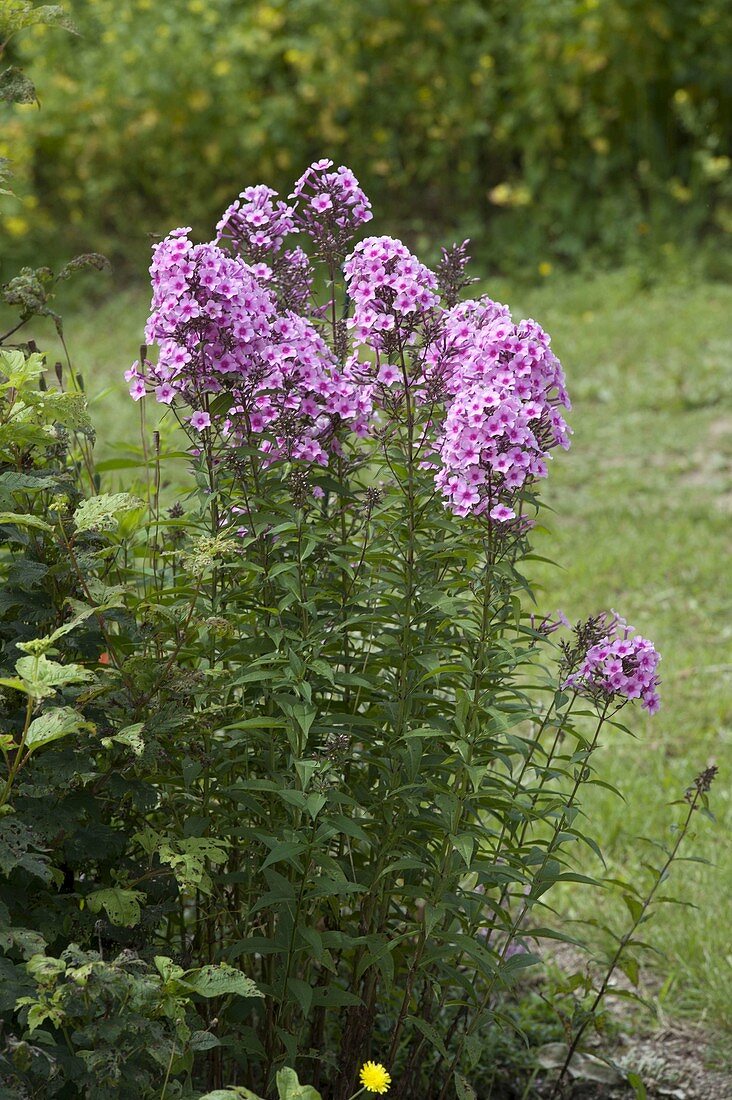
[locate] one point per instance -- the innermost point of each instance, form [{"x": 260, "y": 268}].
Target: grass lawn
[{"x": 642, "y": 521}]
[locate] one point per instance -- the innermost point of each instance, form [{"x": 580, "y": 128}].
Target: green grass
[
  {"x": 642, "y": 520},
  {"x": 642, "y": 509}
]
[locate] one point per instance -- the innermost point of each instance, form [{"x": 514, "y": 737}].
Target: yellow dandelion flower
[{"x": 374, "y": 1078}]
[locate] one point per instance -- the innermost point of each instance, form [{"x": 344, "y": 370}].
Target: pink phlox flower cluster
[
  {"x": 330, "y": 206},
  {"x": 219, "y": 329},
  {"x": 255, "y": 227},
  {"x": 257, "y": 222},
  {"x": 622, "y": 665},
  {"x": 235, "y": 318},
  {"x": 391, "y": 291},
  {"x": 301, "y": 399},
  {"x": 505, "y": 392},
  {"x": 210, "y": 316}
]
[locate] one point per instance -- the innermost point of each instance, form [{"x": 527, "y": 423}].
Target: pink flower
[
  {"x": 502, "y": 514},
  {"x": 137, "y": 389},
  {"x": 321, "y": 203},
  {"x": 164, "y": 393},
  {"x": 388, "y": 374},
  {"x": 200, "y": 420}
]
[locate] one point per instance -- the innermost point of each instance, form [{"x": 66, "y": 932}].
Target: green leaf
[
  {"x": 235, "y": 1092},
  {"x": 43, "y": 677},
  {"x": 218, "y": 980},
  {"x": 100, "y": 513},
  {"x": 302, "y": 992},
  {"x": 635, "y": 907},
  {"x": 463, "y": 1088},
  {"x": 53, "y": 725},
  {"x": 121, "y": 906},
  {"x": 22, "y": 519},
  {"x": 286, "y": 849},
  {"x": 430, "y": 1034},
  {"x": 465, "y": 845},
  {"x": 289, "y": 1088},
  {"x": 19, "y": 370},
  {"x": 630, "y": 968},
  {"x": 636, "y": 1083},
  {"x": 203, "y": 1040}
]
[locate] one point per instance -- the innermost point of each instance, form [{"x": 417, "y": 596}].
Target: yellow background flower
[{"x": 374, "y": 1077}]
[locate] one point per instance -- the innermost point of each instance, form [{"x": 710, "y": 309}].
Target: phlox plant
[
  {"x": 328, "y": 764},
  {"x": 382, "y": 760}
]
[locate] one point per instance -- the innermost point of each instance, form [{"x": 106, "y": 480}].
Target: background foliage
[{"x": 540, "y": 129}]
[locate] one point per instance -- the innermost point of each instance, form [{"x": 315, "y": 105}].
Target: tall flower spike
[
  {"x": 330, "y": 206},
  {"x": 504, "y": 417},
  {"x": 619, "y": 666},
  {"x": 391, "y": 291}
]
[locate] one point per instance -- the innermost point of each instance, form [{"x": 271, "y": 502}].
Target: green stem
[
  {"x": 18, "y": 759},
  {"x": 518, "y": 921},
  {"x": 625, "y": 940}
]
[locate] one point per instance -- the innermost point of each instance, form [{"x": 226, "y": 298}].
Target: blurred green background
[
  {"x": 547, "y": 130},
  {"x": 585, "y": 147}
]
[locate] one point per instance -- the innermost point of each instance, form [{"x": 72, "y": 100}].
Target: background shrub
[{"x": 542, "y": 129}]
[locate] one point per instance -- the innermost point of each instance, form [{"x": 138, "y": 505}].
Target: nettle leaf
[
  {"x": 130, "y": 736},
  {"x": 5, "y": 174},
  {"x": 14, "y": 482},
  {"x": 68, "y": 409},
  {"x": 38, "y": 646},
  {"x": 54, "y": 725},
  {"x": 167, "y": 969},
  {"x": 100, "y": 513},
  {"x": 19, "y": 15},
  {"x": 219, "y": 980},
  {"x": 45, "y": 969},
  {"x": 25, "y": 940},
  {"x": 121, "y": 906}
]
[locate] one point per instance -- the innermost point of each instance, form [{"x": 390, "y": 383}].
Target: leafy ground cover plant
[{"x": 341, "y": 765}]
